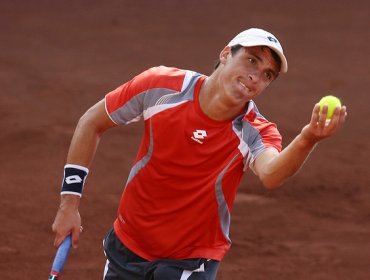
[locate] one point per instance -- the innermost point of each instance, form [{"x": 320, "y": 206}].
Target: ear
[{"x": 224, "y": 54}]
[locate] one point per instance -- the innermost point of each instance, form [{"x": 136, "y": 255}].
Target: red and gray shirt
[{"x": 179, "y": 194}]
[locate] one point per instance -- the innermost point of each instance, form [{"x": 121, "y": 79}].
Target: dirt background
[{"x": 57, "y": 58}]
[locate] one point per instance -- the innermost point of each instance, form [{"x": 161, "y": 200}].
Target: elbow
[
  {"x": 273, "y": 179},
  {"x": 88, "y": 122},
  {"x": 85, "y": 123},
  {"x": 270, "y": 183}
]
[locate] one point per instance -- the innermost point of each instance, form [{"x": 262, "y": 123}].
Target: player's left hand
[{"x": 319, "y": 127}]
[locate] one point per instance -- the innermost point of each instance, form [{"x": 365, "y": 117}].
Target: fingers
[
  {"x": 343, "y": 114},
  {"x": 338, "y": 118},
  {"x": 58, "y": 236},
  {"x": 335, "y": 118},
  {"x": 76, "y": 236},
  {"x": 67, "y": 222},
  {"x": 58, "y": 240},
  {"x": 315, "y": 114},
  {"x": 320, "y": 127},
  {"x": 323, "y": 121},
  {"x": 320, "y": 117},
  {"x": 75, "y": 233}
]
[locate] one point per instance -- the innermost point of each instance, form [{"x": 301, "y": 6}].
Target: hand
[
  {"x": 67, "y": 220},
  {"x": 319, "y": 127}
]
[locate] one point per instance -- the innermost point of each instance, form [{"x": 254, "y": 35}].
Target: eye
[
  {"x": 269, "y": 76},
  {"x": 252, "y": 60}
]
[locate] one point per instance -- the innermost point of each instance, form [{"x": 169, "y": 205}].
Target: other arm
[
  {"x": 83, "y": 146},
  {"x": 273, "y": 168}
]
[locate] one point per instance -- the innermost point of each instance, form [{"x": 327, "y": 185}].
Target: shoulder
[
  {"x": 162, "y": 70},
  {"x": 255, "y": 118},
  {"x": 162, "y": 77},
  {"x": 255, "y": 124}
]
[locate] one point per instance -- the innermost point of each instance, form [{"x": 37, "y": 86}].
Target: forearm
[
  {"x": 83, "y": 146},
  {"x": 69, "y": 201},
  {"x": 81, "y": 152},
  {"x": 273, "y": 168},
  {"x": 284, "y": 165}
]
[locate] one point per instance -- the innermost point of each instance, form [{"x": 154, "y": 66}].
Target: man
[{"x": 201, "y": 134}]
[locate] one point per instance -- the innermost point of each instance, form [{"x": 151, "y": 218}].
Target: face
[{"x": 245, "y": 74}]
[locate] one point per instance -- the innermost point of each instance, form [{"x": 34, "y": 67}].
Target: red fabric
[{"x": 169, "y": 208}]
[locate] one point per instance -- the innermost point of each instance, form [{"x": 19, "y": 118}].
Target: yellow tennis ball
[{"x": 332, "y": 103}]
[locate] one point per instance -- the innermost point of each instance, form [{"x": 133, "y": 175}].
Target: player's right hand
[
  {"x": 67, "y": 220},
  {"x": 320, "y": 128}
]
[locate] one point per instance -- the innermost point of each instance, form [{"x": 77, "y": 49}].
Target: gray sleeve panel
[
  {"x": 253, "y": 138},
  {"x": 133, "y": 109},
  {"x": 186, "y": 94}
]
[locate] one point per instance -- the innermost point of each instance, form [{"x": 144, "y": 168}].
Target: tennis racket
[{"x": 60, "y": 258}]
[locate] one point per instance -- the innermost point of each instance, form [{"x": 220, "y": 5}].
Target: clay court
[{"x": 58, "y": 58}]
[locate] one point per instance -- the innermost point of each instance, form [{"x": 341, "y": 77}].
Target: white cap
[{"x": 259, "y": 37}]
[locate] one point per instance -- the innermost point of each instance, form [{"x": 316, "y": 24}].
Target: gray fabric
[
  {"x": 134, "y": 108},
  {"x": 141, "y": 163},
  {"x": 223, "y": 209}
]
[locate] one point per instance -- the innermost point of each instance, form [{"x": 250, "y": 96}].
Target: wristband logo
[{"x": 73, "y": 179}]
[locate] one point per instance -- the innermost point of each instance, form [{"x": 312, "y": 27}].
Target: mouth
[{"x": 245, "y": 88}]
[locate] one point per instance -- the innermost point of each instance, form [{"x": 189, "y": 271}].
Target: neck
[{"x": 213, "y": 102}]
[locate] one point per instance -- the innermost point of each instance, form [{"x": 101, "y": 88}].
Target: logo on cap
[{"x": 272, "y": 39}]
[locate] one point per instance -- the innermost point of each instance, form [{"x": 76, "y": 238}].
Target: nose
[{"x": 254, "y": 76}]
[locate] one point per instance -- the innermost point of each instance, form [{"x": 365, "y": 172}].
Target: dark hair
[{"x": 236, "y": 48}]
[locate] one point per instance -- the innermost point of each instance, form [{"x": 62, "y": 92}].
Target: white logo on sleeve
[
  {"x": 199, "y": 134},
  {"x": 73, "y": 179}
]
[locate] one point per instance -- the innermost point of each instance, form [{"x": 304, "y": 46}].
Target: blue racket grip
[{"x": 61, "y": 257}]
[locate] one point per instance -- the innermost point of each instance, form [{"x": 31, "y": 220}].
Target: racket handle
[{"x": 60, "y": 258}]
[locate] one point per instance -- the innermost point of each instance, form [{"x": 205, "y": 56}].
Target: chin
[{"x": 240, "y": 98}]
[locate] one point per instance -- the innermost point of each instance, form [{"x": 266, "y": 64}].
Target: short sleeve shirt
[{"x": 179, "y": 194}]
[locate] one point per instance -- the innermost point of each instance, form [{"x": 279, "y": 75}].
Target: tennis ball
[{"x": 332, "y": 103}]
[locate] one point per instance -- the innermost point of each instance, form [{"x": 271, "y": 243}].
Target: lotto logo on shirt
[{"x": 199, "y": 135}]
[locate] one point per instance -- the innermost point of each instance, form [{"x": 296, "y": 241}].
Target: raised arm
[
  {"x": 273, "y": 168},
  {"x": 83, "y": 146}
]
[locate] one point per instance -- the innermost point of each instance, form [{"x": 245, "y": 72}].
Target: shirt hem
[{"x": 187, "y": 253}]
